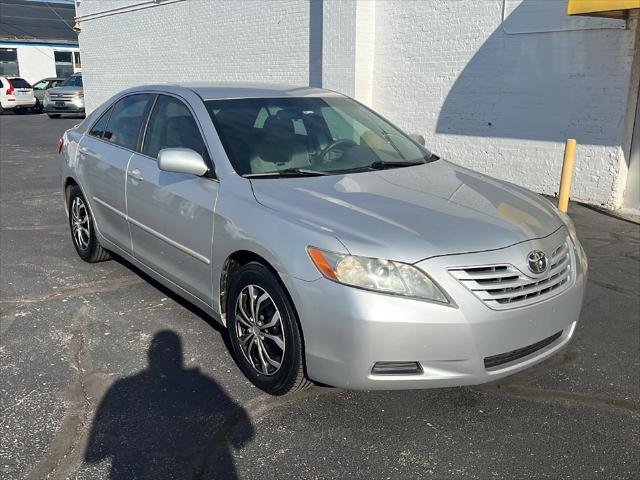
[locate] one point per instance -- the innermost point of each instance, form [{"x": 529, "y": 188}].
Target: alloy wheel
[
  {"x": 259, "y": 330},
  {"x": 80, "y": 225}
]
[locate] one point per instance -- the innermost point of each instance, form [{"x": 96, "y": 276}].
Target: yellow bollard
[{"x": 567, "y": 173}]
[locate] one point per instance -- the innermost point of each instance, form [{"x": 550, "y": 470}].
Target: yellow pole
[{"x": 567, "y": 173}]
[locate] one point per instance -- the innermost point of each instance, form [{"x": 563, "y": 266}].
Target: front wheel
[
  {"x": 83, "y": 232},
  {"x": 264, "y": 332}
]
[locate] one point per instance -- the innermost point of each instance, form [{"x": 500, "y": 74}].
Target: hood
[
  {"x": 409, "y": 214},
  {"x": 69, "y": 89}
]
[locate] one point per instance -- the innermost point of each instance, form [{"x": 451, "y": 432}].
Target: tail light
[
  {"x": 60, "y": 144},
  {"x": 10, "y": 89}
]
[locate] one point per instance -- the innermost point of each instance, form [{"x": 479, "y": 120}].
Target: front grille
[
  {"x": 62, "y": 96},
  {"x": 501, "y": 359},
  {"x": 504, "y": 286}
]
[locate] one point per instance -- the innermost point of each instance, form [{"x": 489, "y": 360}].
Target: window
[
  {"x": 20, "y": 83},
  {"x": 98, "y": 128},
  {"x": 76, "y": 60},
  {"x": 172, "y": 126},
  {"x": 9, "y": 62},
  {"x": 331, "y": 134},
  {"x": 72, "y": 81},
  {"x": 64, "y": 63},
  {"x": 41, "y": 85},
  {"x": 126, "y": 119}
]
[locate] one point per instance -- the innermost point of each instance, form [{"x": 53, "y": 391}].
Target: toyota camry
[{"x": 334, "y": 247}]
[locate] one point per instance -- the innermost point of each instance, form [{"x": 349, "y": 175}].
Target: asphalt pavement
[{"x": 106, "y": 374}]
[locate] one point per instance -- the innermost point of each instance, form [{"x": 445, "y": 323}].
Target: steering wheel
[{"x": 322, "y": 156}]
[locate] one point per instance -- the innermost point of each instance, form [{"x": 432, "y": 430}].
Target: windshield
[
  {"x": 19, "y": 83},
  {"x": 72, "y": 81},
  {"x": 314, "y": 134}
]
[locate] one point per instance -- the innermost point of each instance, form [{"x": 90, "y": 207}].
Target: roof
[
  {"x": 229, "y": 90},
  {"x": 215, "y": 91},
  {"x": 37, "y": 22}
]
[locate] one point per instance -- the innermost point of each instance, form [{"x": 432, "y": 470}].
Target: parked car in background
[
  {"x": 16, "y": 94},
  {"x": 333, "y": 246},
  {"x": 67, "y": 97},
  {"x": 39, "y": 89}
]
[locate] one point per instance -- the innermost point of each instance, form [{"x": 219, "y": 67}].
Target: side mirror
[
  {"x": 182, "y": 160},
  {"x": 416, "y": 137}
]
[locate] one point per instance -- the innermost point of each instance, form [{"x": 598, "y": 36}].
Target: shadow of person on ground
[{"x": 167, "y": 421}]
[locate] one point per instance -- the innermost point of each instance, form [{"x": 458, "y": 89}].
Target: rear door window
[{"x": 127, "y": 117}]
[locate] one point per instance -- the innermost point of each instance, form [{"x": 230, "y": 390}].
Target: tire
[
  {"x": 261, "y": 350},
  {"x": 53, "y": 115},
  {"x": 20, "y": 111},
  {"x": 83, "y": 232}
]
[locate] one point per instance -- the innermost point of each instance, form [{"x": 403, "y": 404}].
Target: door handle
[{"x": 136, "y": 174}]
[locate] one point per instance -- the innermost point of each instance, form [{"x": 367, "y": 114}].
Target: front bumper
[
  {"x": 347, "y": 330},
  {"x": 66, "y": 106}
]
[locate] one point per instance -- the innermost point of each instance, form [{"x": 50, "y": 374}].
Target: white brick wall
[
  {"x": 500, "y": 98},
  {"x": 195, "y": 40},
  {"x": 503, "y": 104}
]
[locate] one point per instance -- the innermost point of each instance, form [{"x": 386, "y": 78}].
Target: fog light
[{"x": 397, "y": 368}]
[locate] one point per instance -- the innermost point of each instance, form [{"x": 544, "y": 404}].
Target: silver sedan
[{"x": 334, "y": 247}]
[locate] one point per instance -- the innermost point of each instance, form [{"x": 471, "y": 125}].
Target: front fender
[{"x": 241, "y": 223}]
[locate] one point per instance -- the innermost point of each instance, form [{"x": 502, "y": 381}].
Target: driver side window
[{"x": 172, "y": 126}]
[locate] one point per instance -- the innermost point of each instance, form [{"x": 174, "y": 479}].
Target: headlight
[
  {"x": 376, "y": 274},
  {"x": 80, "y": 93},
  {"x": 571, "y": 228}
]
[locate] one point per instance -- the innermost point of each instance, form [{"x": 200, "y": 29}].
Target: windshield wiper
[
  {"x": 287, "y": 172},
  {"x": 382, "y": 165}
]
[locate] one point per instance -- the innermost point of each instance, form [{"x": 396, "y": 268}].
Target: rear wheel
[
  {"x": 264, "y": 332},
  {"x": 83, "y": 232},
  {"x": 53, "y": 115},
  {"x": 20, "y": 111}
]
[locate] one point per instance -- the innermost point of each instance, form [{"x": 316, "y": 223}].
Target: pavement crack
[
  {"x": 60, "y": 456},
  {"x": 99, "y": 286},
  {"x": 615, "y": 288},
  {"x": 558, "y": 396},
  {"x": 27, "y": 228}
]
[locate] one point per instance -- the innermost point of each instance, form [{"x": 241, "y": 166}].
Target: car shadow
[
  {"x": 176, "y": 298},
  {"x": 167, "y": 421}
]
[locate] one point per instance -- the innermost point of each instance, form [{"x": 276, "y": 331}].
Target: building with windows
[
  {"x": 37, "y": 40},
  {"x": 493, "y": 85}
]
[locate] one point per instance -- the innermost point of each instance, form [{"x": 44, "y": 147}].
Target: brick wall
[
  {"x": 496, "y": 85},
  {"x": 502, "y": 102},
  {"x": 194, "y": 40}
]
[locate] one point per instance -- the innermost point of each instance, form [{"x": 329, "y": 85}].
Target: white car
[{"x": 16, "y": 94}]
